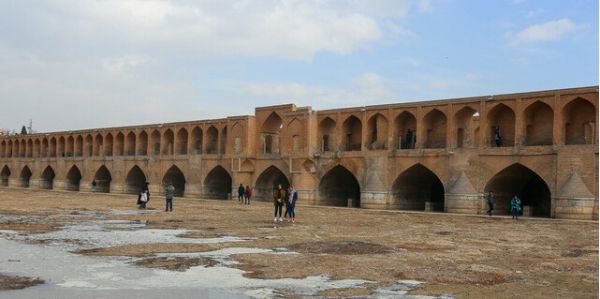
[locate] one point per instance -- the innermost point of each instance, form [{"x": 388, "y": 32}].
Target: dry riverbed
[{"x": 456, "y": 255}]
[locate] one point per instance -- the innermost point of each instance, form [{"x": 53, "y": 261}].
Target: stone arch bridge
[{"x": 439, "y": 155}]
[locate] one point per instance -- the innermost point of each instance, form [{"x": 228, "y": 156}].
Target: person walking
[
  {"x": 278, "y": 197},
  {"x": 143, "y": 199},
  {"x": 293, "y": 198},
  {"x": 287, "y": 205},
  {"x": 169, "y": 192},
  {"x": 248, "y": 194},
  {"x": 515, "y": 207},
  {"x": 241, "y": 193},
  {"x": 143, "y": 190},
  {"x": 94, "y": 185},
  {"x": 490, "y": 202}
]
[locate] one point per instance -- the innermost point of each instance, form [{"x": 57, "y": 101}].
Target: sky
[{"x": 87, "y": 64}]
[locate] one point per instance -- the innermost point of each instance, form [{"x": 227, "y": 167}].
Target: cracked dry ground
[{"x": 465, "y": 256}]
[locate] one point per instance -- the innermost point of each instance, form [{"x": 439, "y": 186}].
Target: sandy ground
[{"x": 464, "y": 256}]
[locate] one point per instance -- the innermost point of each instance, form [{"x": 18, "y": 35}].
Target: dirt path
[{"x": 465, "y": 256}]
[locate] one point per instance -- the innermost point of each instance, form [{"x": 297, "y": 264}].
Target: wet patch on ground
[
  {"x": 175, "y": 263},
  {"x": 340, "y": 247}
]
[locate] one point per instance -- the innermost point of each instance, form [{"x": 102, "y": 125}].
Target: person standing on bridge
[
  {"x": 248, "y": 194},
  {"x": 515, "y": 207},
  {"x": 278, "y": 197},
  {"x": 241, "y": 193},
  {"x": 169, "y": 193},
  {"x": 490, "y": 202}
]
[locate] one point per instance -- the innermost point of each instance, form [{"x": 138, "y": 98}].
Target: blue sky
[{"x": 85, "y": 64}]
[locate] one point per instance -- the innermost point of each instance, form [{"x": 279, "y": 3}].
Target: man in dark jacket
[
  {"x": 490, "y": 202},
  {"x": 241, "y": 192},
  {"x": 278, "y": 198}
]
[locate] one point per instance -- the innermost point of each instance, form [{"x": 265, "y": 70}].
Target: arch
[
  {"x": 79, "y": 146},
  {"x": 45, "y": 148},
  {"x": 36, "y": 148},
  {"x": 102, "y": 179},
  {"x": 98, "y": 145},
  {"x": 70, "y": 148},
  {"x": 352, "y": 134},
  {"x": 247, "y": 166},
  {"x": 197, "y": 140},
  {"x": 217, "y": 184},
  {"x": 155, "y": 142},
  {"x": 435, "y": 129},
  {"x": 176, "y": 177},
  {"x": 327, "y": 134},
  {"x": 270, "y": 132},
  {"x": 23, "y": 148},
  {"x": 135, "y": 180},
  {"x": 418, "y": 189},
  {"x": 119, "y": 144},
  {"x": 502, "y": 118},
  {"x": 142, "y": 148},
  {"x": 223, "y": 145},
  {"x": 108, "y": 145},
  {"x": 29, "y": 152},
  {"x": 267, "y": 181},
  {"x": 464, "y": 124},
  {"x": 25, "y": 177},
  {"x": 405, "y": 129},
  {"x": 339, "y": 187},
  {"x": 47, "y": 178},
  {"x": 14, "y": 148},
  {"x": 4, "y": 176},
  {"x": 3, "y": 149},
  {"x": 168, "y": 142},
  {"x": 73, "y": 179},
  {"x": 130, "y": 144},
  {"x": 579, "y": 117},
  {"x": 212, "y": 141},
  {"x": 60, "y": 151},
  {"x": 89, "y": 146},
  {"x": 519, "y": 180},
  {"x": 9, "y": 149},
  {"x": 182, "y": 142},
  {"x": 377, "y": 127},
  {"x": 539, "y": 121}
]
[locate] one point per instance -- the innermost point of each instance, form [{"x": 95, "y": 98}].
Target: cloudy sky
[{"x": 85, "y": 64}]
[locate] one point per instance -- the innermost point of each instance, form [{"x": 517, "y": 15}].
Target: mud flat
[{"x": 327, "y": 253}]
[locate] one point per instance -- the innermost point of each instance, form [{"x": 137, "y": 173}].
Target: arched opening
[
  {"x": 182, "y": 142},
  {"x": 175, "y": 177},
  {"x": 327, "y": 134},
  {"x": 197, "y": 140},
  {"x": 501, "y": 120},
  {"x": 9, "y": 149},
  {"x": 580, "y": 122},
  {"x": 25, "y": 177},
  {"x": 217, "y": 184},
  {"x": 418, "y": 189},
  {"x": 526, "y": 184},
  {"x": 119, "y": 144},
  {"x": 465, "y": 121},
  {"x": 267, "y": 181},
  {"x": 435, "y": 129},
  {"x": 168, "y": 141},
  {"x": 52, "y": 149},
  {"x": 102, "y": 179},
  {"x": 70, "y": 150},
  {"x": 98, "y": 146},
  {"x": 4, "y": 176},
  {"x": 539, "y": 120},
  {"x": 223, "y": 145},
  {"x": 108, "y": 145},
  {"x": 130, "y": 144},
  {"x": 405, "y": 130},
  {"x": 142, "y": 148},
  {"x": 339, "y": 187},
  {"x": 73, "y": 179},
  {"x": 29, "y": 148},
  {"x": 79, "y": 146},
  {"x": 135, "y": 180},
  {"x": 60, "y": 149},
  {"x": 155, "y": 142},
  {"x": 45, "y": 146},
  {"x": 3, "y": 149},
  {"x": 212, "y": 141},
  {"x": 271, "y": 134},
  {"x": 352, "y": 134},
  {"x": 36, "y": 148},
  {"x": 47, "y": 178},
  {"x": 378, "y": 132}
]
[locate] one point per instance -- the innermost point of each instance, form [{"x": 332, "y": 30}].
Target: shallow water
[{"x": 69, "y": 275}]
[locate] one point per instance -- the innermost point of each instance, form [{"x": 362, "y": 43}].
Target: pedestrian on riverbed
[
  {"x": 241, "y": 193},
  {"x": 292, "y": 198},
  {"x": 145, "y": 190},
  {"x": 248, "y": 194},
  {"x": 93, "y": 185},
  {"x": 490, "y": 202},
  {"x": 278, "y": 198},
  {"x": 515, "y": 207},
  {"x": 169, "y": 193},
  {"x": 143, "y": 199}
]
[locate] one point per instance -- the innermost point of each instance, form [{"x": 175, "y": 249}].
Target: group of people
[
  {"x": 515, "y": 205},
  {"x": 288, "y": 197},
  {"x": 144, "y": 196},
  {"x": 244, "y": 194}
]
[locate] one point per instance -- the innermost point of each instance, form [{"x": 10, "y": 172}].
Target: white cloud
[{"x": 544, "y": 32}]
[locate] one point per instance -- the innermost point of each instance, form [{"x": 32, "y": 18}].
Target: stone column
[
  {"x": 375, "y": 194},
  {"x": 461, "y": 197}
]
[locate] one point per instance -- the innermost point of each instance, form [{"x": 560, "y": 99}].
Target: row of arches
[
  {"x": 121, "y": 144},
  {"x": 578, "y": 116},
  {"x": 416, "y": 189}
]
